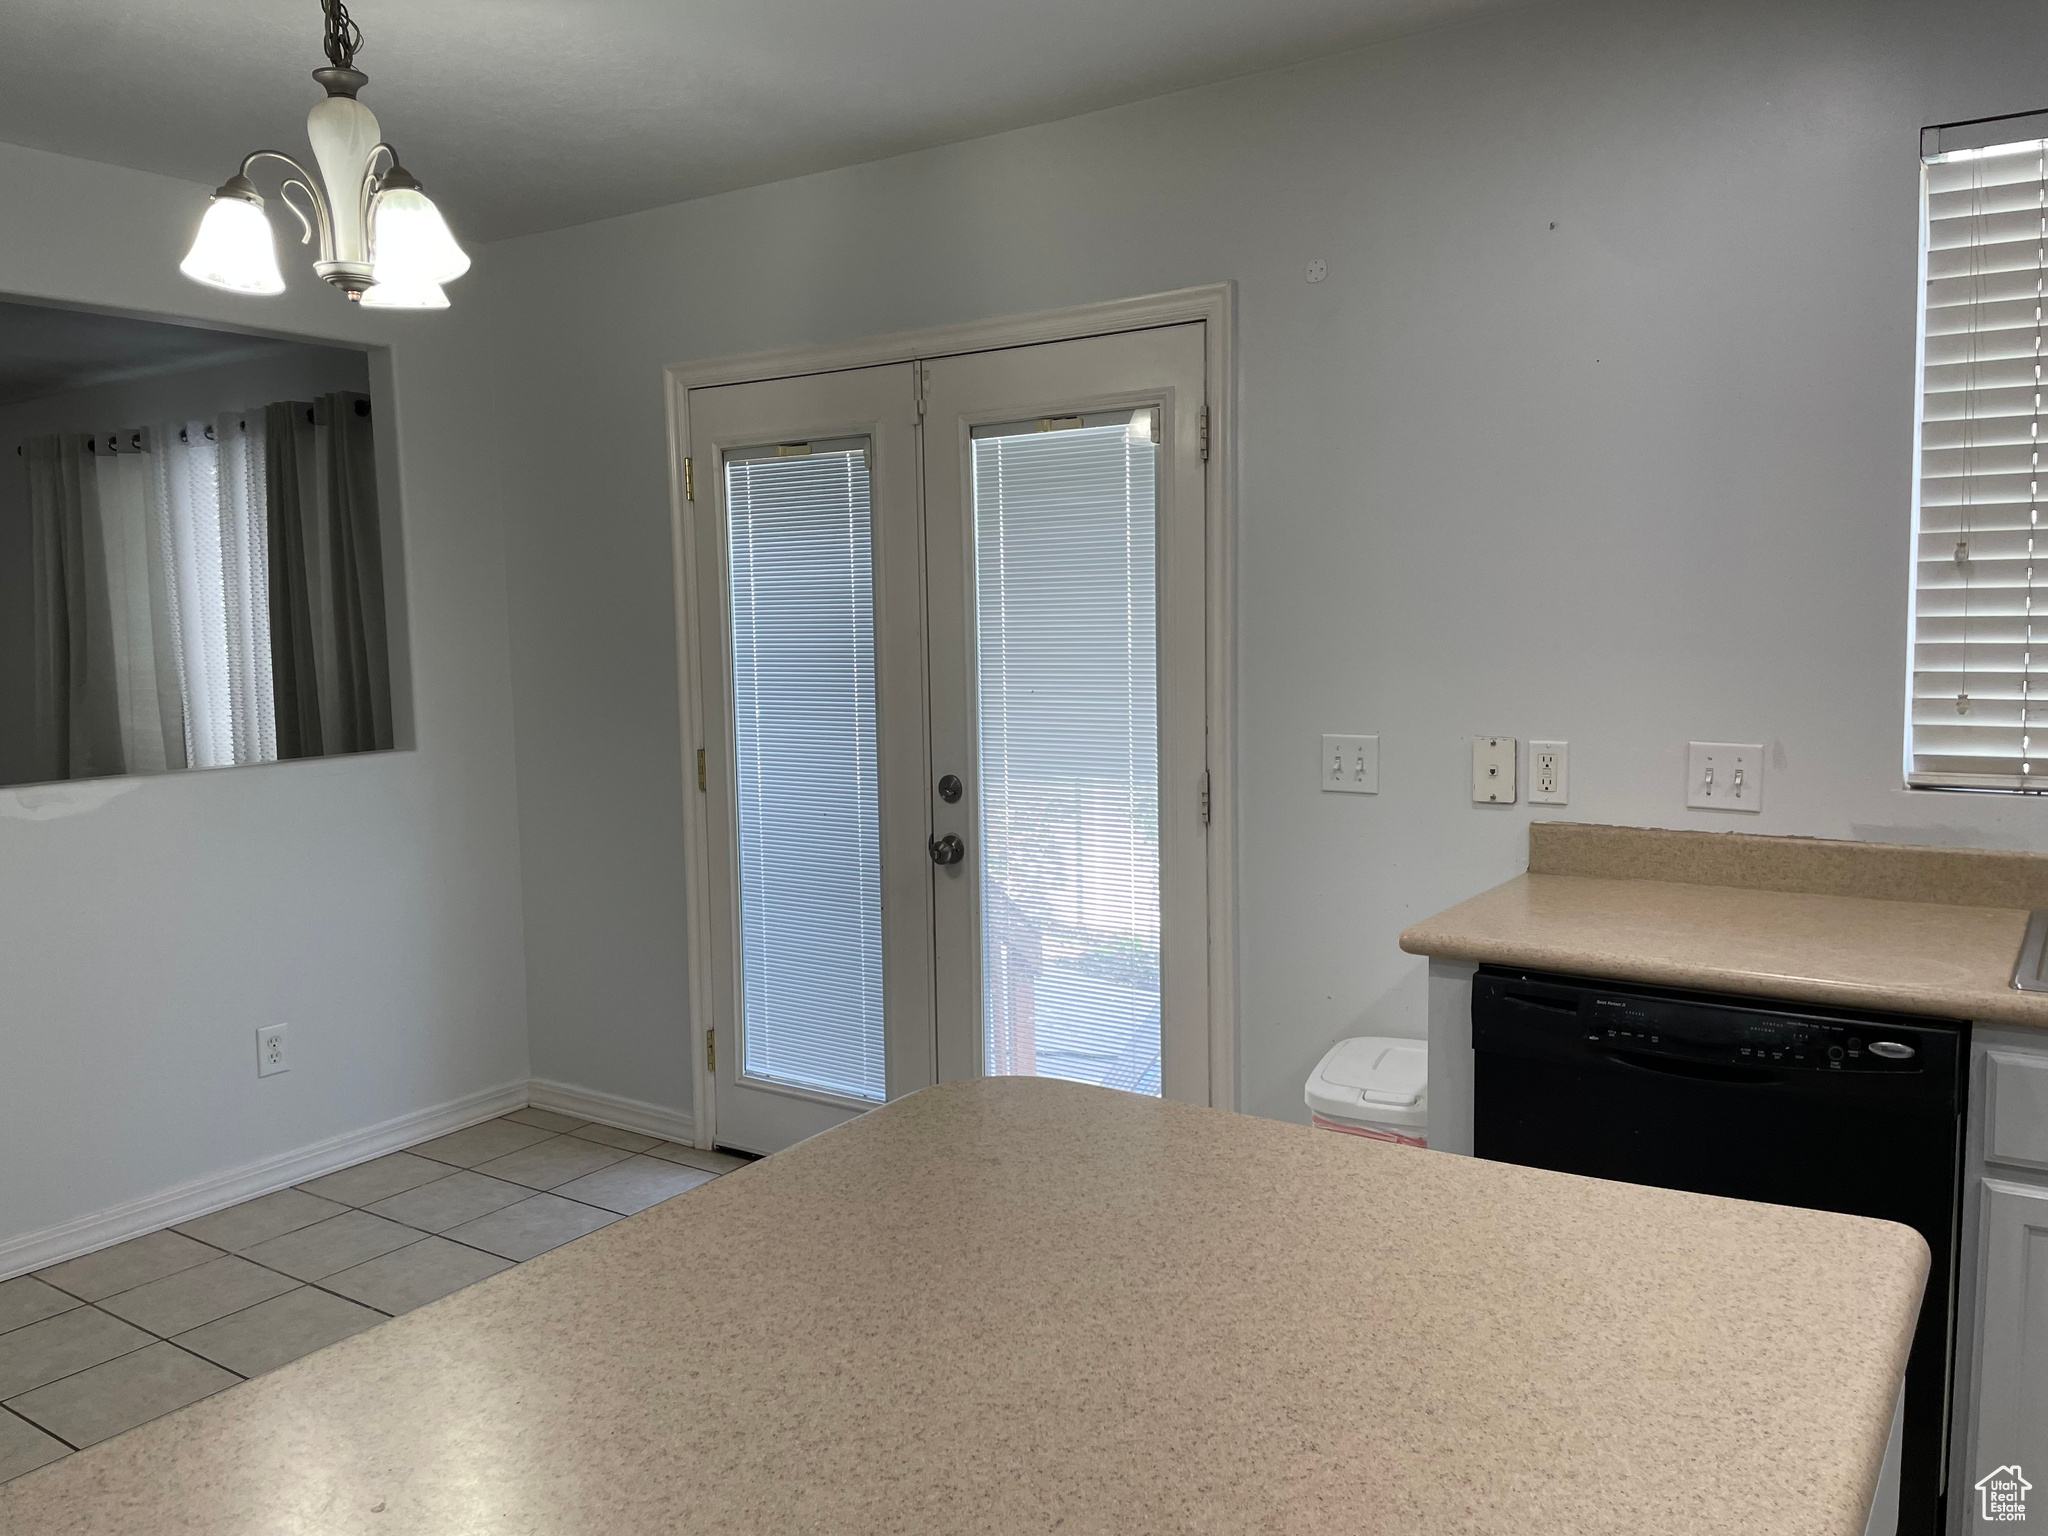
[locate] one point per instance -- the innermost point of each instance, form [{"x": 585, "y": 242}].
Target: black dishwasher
[{"x": 1786, "y": 1103}]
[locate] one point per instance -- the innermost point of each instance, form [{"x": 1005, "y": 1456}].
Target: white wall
[
  {"x": 1638, "y": 477},
  {"x": 147, "y": 927},
  {"x": 201, "y": 392}
]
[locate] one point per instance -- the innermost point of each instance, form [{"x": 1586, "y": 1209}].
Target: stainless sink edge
[{"x": 2030, "y": 974}]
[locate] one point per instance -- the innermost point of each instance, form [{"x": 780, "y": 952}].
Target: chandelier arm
[
  {"x": 373, "y": 183},
  {"x": 284, "y": 196},
  {"x": 308, "y": 183},
  {"x": 278, "y": 155}
]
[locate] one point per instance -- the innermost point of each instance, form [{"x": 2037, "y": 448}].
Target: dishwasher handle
[{"x": 1699, "y": 1071}]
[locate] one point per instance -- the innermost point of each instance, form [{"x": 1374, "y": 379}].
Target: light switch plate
[
  {"x": 1724, "y": 775},
  {"x": 1351, "y": 765},
  {"x": 1493, "y": 770},
  {"x": 1549, "y": 773}
]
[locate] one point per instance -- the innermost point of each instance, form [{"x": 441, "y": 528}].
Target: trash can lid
[{"x": 1370, "y": 1076}]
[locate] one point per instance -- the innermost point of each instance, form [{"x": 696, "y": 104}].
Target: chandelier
[{"x": 382, "y": 240}]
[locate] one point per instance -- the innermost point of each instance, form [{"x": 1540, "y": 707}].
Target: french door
[{"x": 951, "y": 637}]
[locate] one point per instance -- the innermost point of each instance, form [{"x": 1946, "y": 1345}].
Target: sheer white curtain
[
  {"x": 211, "y": 511},
  {"x": 149, "y": 696}
]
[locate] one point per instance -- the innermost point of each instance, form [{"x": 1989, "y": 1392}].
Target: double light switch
[
  {"x": 1351, "y": 765},
  {"x": 1724, "y": 775}
]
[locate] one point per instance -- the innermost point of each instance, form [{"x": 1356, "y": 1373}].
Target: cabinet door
[{"x": 2012, "y": 1339}]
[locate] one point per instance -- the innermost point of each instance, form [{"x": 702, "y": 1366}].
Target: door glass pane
[
  {"x": 803, "y": 647},
  {"x": 1067, "y": 680}
]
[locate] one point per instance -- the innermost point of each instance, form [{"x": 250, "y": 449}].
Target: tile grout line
[
  {"x": 87, "y": 1301},
  {"x": 32, "y": 1424},
  {"x": 154, "y": 1340}
]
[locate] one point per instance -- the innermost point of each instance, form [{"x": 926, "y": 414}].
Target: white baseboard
[
  {"x": 184, "y": 1202},
  {"x": 613, "y": 1109}
]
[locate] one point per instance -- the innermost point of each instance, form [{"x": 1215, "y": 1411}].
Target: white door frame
[{"x": 1212, "y": 304}]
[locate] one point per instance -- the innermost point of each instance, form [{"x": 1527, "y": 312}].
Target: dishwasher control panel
[{"x": 1739, "y": 1037}]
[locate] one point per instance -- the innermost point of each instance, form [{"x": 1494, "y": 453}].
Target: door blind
[
  {"x": 1977, "y": 712},
  {"x": 803, "y": 647},
  {"x": 1066, "y": 635}
]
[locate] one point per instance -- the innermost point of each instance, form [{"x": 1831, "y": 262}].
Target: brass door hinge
[
  {"x": 710, "y": 1050},
  {"x": 700, "y": 770},
  {"x": 689, "y": 480}
]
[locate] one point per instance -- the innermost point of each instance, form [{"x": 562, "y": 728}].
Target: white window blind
[
  {"x": 1978, "y": 671},
  {"x": 1065, "y": 571},
  {"x": 803, "y": 647}
]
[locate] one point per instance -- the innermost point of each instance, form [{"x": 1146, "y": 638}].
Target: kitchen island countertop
[{"x": 1018, "y": 1305}]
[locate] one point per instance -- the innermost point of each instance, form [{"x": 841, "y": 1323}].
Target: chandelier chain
[{"x": 343, "y": 36}]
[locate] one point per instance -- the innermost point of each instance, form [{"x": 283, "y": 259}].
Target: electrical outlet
[
  {"x": 1351, "y": 765},
  {"x": 1724, "y": 776},
  {"x": 1549, "y": 772},
  {"x": 272, "y": 1055},
  {"x": 1493, "y": 770}
]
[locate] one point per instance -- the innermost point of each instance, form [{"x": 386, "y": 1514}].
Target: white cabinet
[
  {"x": 2012, "y": 1337},
  {"x": 2016, "y": 1108},
  {"x": 2002, "y": 1332}
]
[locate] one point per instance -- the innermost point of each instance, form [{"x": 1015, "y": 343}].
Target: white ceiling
[
  {"x": 523, "y": 115},
  {"x": 46, "y": 350}
]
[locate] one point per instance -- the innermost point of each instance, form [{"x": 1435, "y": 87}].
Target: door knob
[{"x": 948, "y": 849}]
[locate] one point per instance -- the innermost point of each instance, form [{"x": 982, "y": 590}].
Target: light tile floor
[{"x": 103, "y": 1343}]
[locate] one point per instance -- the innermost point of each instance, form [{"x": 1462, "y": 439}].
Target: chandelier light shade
[
  {"x": 381, "y": 239},
  {"x": 393, "y": 295},
  {"x": 234, "y": 248},
  {"x": 411, "y": 239}
]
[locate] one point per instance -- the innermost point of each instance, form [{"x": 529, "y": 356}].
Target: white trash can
[{"x": 1374, "y": 1086}]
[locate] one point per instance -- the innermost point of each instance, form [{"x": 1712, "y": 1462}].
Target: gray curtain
[
  {"x": 330, "y": 668},
  {"x": 78, "y": 719}
]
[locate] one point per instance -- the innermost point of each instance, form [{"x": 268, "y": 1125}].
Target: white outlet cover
[
  {"x": 1351, "y": 765},
  {"x": 1493, "y": 770},
  {"x": 1724, "y": 775},
  {"x": 1550, "y": 767},
  {"x": 273, "y": 1050}
]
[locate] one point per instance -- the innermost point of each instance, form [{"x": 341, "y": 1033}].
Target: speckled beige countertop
[
  {"x": 1017, "y": 1305},
  {"x": 1917, "y": 930}
]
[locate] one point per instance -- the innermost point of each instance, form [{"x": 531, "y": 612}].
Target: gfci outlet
[
  {"x": 1351, "y": 765},
  {"x": 1724, "y": 775},
  {"x": 1549, "y": 773},
  {"x": 271, "y": 1054},
  {"x": 1493, "y": 770}
]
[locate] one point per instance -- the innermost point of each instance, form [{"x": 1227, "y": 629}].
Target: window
[
  {"x": 803, "y": 649},
  {"x": 1066, "y": 615},
  {"x": 1978, "y": 706}
]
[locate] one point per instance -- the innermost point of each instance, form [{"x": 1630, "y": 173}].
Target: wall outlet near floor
[
  {"x": 1493, "y": 770},
  {"x": 1549, "y": 772},
  {"x": 1351, "y": 765},
  {"x": 272, "y": 1050},
  {"x": 1724, "y": 775}
]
